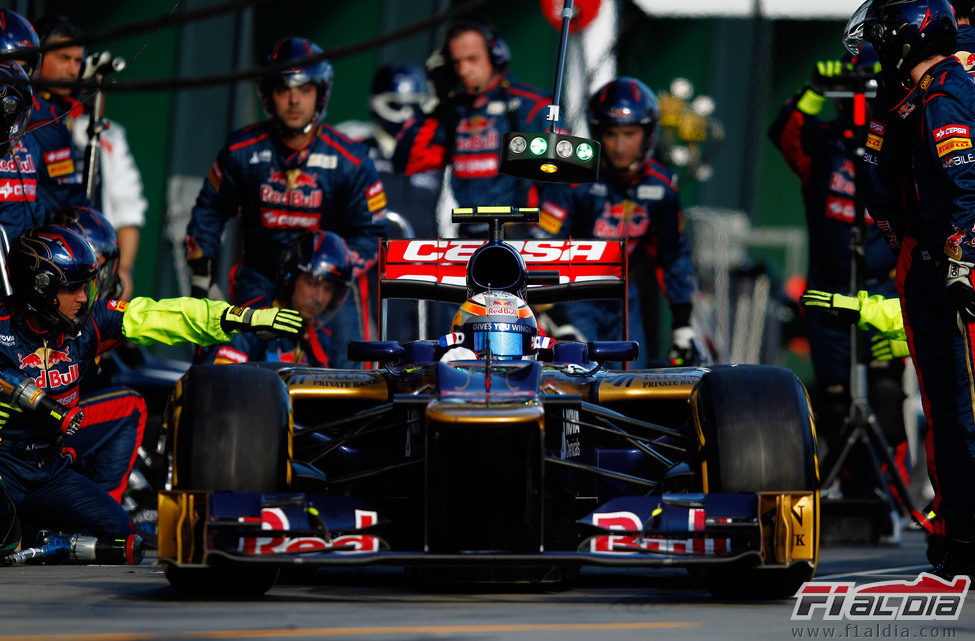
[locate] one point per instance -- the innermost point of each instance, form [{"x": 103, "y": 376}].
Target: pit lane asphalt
[{"x": 118, "y": 603}]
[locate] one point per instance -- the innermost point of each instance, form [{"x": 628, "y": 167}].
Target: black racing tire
[
  {"x": 758, "y": 437},
  {"x": 234, "y": 431},
  {"x": 233, "y": 435}
]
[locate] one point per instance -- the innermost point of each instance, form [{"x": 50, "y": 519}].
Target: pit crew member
[
  {"x": 464, "y": 129},
  {"x": 58, "y": 183},
  {"x": 822, "y": 155},
  {"x": 636, "y": 199},
  {"x": 916, "y": 42},
  {"x": 314, "y": 279},
  {"x": 51, "y": 330},
  {"x": 284, "y": 176},
  {"x": 118, "y": 183},
  {"x": 19, "y": 154}
]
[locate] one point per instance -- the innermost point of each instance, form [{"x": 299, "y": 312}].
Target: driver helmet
[
  {"x": 94, "y": 228},
  {"x": 318, "y": 73},
  {"x": 497, "y": 322},
  {"x": 40, "y": 262}
]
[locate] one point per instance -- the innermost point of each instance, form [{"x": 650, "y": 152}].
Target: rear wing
[{"x": 558, "y": 270}]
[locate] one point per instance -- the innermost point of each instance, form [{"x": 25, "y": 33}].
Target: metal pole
[{"x": 560, "y": 66}]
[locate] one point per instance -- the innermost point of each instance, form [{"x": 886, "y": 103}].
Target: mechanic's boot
[{"x": 958, "y": 559}]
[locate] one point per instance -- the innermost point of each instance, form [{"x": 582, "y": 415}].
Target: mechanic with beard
[
  {"x": 51, "y": 330},
  {"x": 465, "y": 128},
  {"x": 822, "y": 155},
  {"x": 58, "y": 184},
  {"x": 916, "y": 42},
  {"x": 314, "y": 279},
  {"x": 118, "y": 184},
  {"x": 635, "y": 199},
  {"x": 284, "y": 176}
]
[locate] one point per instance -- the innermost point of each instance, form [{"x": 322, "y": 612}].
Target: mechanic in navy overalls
[
  {"x": 465, "y": 128},
  {"x": 399, "y": 92},
  {"x": 20, "y": 155},
  {"x": 822, "y": 155},
  {"x": 286, "y": 175},
  {"x": 916, "y": 42},
  {"x": 58, "y": 180},
  {"x": 105, "y": 452},
  {"x": 51, "y": 330},
  {"x": 315, "y": 278},
  {"x": 636, "y": 199}
]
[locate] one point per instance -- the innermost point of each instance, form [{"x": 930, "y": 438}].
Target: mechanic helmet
[
  {"x": 398, "y": 92},
  {"x": 93, "y": 227},
  {"x": 18, "y": 41},
  {"x": 322, "y": 254},
  {"x": 44, "y": 259},
  {"x": 904, "y": 34},
  {"x": 318, "y": 73},
  {"x": 16, "y": 103},
  {"x": 625, "y": 101},
  {"x": 497, "y": 321}
]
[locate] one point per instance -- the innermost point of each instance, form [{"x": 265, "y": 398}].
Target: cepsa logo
[
  {"x": 948, "y": 131},
  {"x": 924, "y": 599},
  {"x": 533, "y": 251}
]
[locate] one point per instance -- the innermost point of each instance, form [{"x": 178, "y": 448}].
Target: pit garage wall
[{"x": 749, "y": 67}]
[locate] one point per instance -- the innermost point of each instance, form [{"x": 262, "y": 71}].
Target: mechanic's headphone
[{"x": 498, "y": 52}]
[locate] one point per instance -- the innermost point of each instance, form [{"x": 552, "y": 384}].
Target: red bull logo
[
  {"x": 43, "y": 359},
  {"x": 474, "y": 125},
  {"x": 622, "y": 220},
  {"x": 292, "y": 178}
]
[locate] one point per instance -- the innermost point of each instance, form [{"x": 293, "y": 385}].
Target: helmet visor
[
  {"x": 501, "y": 344},
  {"x": 854, "y": 35}
]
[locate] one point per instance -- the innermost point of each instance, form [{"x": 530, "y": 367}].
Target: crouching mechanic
[
  {"x": 51, "y": 330},
  {"x": 315, "y": 278}
]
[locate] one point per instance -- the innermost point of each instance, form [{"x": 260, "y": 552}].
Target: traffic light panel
[{"x": 550, "y": 157}]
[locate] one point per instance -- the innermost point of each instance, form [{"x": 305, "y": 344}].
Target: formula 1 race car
[{"x": 489, "y": 469}]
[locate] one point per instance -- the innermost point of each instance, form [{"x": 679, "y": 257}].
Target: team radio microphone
[{"x": 26, "y": 395}]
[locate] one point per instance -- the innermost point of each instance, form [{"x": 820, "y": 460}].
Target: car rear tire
[
  {"x": 758, "y": 436},
  {"x": 233, "y": 435}
]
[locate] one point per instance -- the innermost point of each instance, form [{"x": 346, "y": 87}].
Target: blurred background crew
[
  {"x": 58, "y": 183},
  {"x": 822, "y": 154},
  {"x": 117, "y": 191},
  {"x": 284, "y": 176},
  {"x": 635, "y": 200},
  {"x": 477, "y": 102}
]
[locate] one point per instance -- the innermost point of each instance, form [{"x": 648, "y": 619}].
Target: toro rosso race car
[{"x": 491, "y": 469}]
